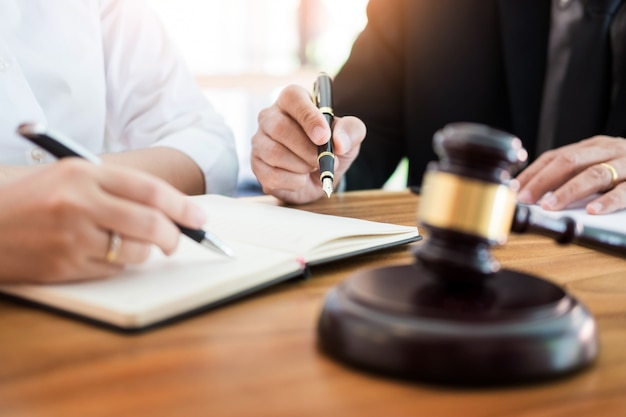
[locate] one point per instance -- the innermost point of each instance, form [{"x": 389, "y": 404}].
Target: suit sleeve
[{"x": 370, "y": 86}]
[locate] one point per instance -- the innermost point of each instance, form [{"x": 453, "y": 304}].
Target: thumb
[{"x": 348, "y": 134}]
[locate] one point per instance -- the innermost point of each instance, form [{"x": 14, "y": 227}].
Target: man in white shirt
[{"x": 105, "y": 73}]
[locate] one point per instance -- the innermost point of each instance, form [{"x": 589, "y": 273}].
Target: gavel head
[{"x": 467, "y": 202}]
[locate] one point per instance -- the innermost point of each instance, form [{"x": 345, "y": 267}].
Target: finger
[
  {"x": 109, "y": 211},
  {"x": 278, "y": 127},
  {"x": 276, "y": 178},
  {"x": 297, "y": 103},
  {"x": 66, "y": 268},
  {"x": 310, "y": 191},
  {"x": 609, "y": 202},
  {"x": 553, "y": 168},
  {"x": 67, "y": 257},
  {"x": 550, "y": 176},
  {"x": 145, "y": 189},
  {"x": 297, "y": 155},
  {"x": 82, "y": 229},
  {"x": 85, "y": 258},
  {"x": 594, "y": 179},
  {"x": 129, "y": 251},
  {"x": 348, "y": 134},
  {"x": 533, "y": 169},
  {"x": 301, "y": 196},
  {"x": 83, "y": 214},
  {"x": 139, "y": 222},
  {"x": 289, "y": 187}
]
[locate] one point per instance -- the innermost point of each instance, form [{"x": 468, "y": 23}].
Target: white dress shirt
[{"x": 104, "y": 73}]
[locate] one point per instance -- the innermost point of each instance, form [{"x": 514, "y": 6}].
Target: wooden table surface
[{"x": 258, "y": 356}]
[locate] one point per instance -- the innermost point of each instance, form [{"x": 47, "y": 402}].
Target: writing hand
[
  {"x": 55, "y": 223},
  {"x": 284, "y": 148}
]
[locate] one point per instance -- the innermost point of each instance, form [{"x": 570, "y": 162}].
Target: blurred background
[{"x": 243, "y": 52}]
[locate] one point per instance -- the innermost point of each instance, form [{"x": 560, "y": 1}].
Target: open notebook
[{"x": 271, "y": 244}]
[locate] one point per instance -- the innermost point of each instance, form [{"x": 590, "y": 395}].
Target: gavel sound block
[{"x": 454, "y": 316}]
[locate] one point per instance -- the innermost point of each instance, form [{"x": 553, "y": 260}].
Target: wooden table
[{"x": 258, "y": 356}]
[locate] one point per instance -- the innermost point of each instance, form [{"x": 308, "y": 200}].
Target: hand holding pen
[
  {"x": 55, "y": 221},
  {"x": 61, "y": 146},
  {"x": 285, "y": 147}
]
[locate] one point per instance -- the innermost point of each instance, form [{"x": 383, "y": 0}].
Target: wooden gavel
[
  {"x": 455, "y": 316},
  {"x": 567, "y": 230}
]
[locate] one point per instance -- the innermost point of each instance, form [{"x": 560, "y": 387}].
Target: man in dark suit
[{"x": 518, "y": 65}]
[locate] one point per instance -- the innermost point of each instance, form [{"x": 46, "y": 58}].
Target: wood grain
[{"x": 258, "y": 356}]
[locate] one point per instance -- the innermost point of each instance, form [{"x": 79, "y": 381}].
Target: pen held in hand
[
  {"x": 322, "y": 95},
  {"x": 61, "y": 146}
]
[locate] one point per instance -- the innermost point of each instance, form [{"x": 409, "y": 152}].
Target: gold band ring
[
  {"x": 115, "y": 243},
  {"x": 614, "y": 175}
]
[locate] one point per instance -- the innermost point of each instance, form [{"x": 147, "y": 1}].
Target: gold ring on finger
[
  {"x": 613, "y": 173},
  {"x": 115, "y": 243}
]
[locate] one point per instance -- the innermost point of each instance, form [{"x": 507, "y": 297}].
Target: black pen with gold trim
[{"x": 323, "y": 98}]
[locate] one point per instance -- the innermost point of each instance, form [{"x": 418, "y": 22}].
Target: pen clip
[
  {"x": 322, "y": 96},
  {"x": 316, "y": 94}
]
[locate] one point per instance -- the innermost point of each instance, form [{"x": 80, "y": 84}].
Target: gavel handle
[{"x": 567, "y": 230}]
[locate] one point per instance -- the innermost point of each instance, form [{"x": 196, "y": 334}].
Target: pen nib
[
  {"x": 327, "y": 186},
  {"x": 213, "y": 243}
]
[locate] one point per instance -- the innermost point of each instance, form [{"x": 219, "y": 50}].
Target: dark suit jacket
[{"x": 421, "y": 64}]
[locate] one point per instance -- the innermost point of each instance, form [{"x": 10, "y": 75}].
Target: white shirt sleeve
[{"x": 152, "y": 99}]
